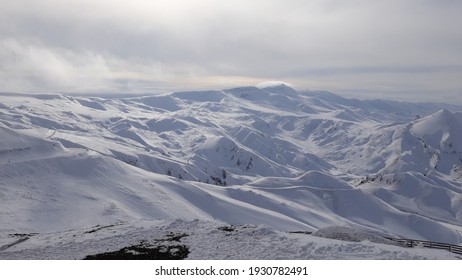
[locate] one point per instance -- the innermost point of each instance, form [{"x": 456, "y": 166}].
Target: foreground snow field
[
  {"x": 207, "y": 240},
  {"x": 272, "y": 157}
]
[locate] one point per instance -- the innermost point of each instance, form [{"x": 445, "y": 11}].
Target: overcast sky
[{"x": 395, "y": 49}]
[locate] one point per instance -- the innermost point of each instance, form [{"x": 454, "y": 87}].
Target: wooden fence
[
  {"x": 456, "y": 249},
  {"x": 430, "y": 244}
]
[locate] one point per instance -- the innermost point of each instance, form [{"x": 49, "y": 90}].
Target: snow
[
  {"x": 441, "y": 129},
  {"x": 272, "y": 84},
  {"x": 206, "y": 240},
  {"x": 352, "y": 234},
  {"x": 268, "y": 157}
]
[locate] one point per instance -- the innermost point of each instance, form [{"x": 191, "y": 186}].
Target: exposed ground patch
[{"x": 146, "y": 251}]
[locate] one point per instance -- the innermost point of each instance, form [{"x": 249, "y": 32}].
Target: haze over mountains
[{"x": 292, "y": 160}]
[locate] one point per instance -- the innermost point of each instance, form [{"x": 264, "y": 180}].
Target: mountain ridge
[{"x": 270, "y": 155}]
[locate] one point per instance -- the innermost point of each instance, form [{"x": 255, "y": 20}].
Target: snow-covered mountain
[{"x": 254, "y": 155}]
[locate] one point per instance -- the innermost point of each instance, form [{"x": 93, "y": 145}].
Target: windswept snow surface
[
  {"x": 207, "y": 240},
  {"x": 266, "y": 155}
]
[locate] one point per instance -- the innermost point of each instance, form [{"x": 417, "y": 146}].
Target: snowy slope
[
  {"x": 255, "y": 155},
  {"x": 206, "y": 240}
]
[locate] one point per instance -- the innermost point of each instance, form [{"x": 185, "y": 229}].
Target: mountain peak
[
  {"x": 437, "y": 121},
  {"x": 443, "y": 114},
  {"x": 440, "y": 129},
  {"x": 277, "y": 87}
]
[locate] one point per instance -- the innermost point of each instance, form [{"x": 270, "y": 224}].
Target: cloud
[
  {"x": 25, "y": 67},
  {"x": 142, "y": 45},
  {"x": 37, "y": 68}
]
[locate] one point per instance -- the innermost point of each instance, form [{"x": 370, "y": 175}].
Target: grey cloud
[
  {"x": 374, "y": 70},
  {"x": 183, "y": 44}
]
